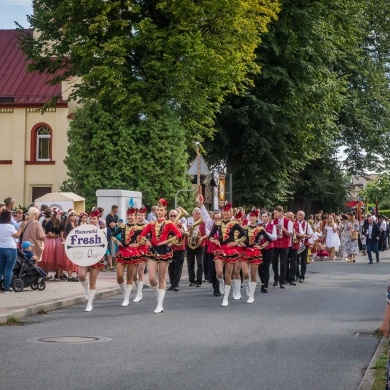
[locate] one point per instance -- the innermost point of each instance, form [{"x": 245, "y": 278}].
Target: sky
[{"x": 14, "y": 10}]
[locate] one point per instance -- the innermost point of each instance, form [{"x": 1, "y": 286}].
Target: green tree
[
  {"x": 146, "y": 56},
  {"x": 107, "y": 152},
  {"x": 378, "y": 190},
  {"x": 315, "y": 71},
  {"x": 321, "y": 185}
]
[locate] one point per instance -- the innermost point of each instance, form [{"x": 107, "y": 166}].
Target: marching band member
[
  {"x": 307, "y": 233},
  {"x": 237, "y": 269},
  {"x": 284, "y": 230},
  {"x": 226, "y": 252},
  {"x": 143, "y": 249},
  {"x": 94, "y": 269},
  {"x": 195, "y": 248},
  {"x": 252, "y": 255},
  {"x": 128, "y": 254},
  {"x": 176, "y": 266},
  {"x": 293, "y": 250},
  {"x": 160, "y": 254},
  {"x": 267, "y": 251},
  {"x": 209, "y": 222}
]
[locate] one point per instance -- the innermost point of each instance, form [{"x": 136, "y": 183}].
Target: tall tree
[
  {"x": 144, "y": 56},
  {"x": 294, "y": 111},
  {"x": 109, "y": 152}
]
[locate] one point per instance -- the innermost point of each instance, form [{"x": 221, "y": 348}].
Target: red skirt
[
  {"x": 48, "y": 260},
  {"x": 98, "y": 265},
  {"x": 252, "y": 256},
  {"x": 227, "y": 254},
  {"x": 128, "y": 255},
  {"x": 144, "y": 253}
]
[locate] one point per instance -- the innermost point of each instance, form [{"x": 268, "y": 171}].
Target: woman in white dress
[{"x": 332, "y": 238}]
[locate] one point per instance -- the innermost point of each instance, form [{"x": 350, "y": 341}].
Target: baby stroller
[{"x": 26, "y": 274}]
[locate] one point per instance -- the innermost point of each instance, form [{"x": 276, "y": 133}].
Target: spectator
[
  {"x": 69, "y": 224},
  {"x": 52, "y": 256},
  {"x": 8, "y": 250},
  {"x": 46, "y": 217},
  {"x": 372, "y": 233},
  {"x": 43, "y": 208},
  {"x": 83, "y": 219},
  {"x": 111, "y": 223},
  {"x": 152, "y": 215},
  {"x": 9, "y": 205},
  {"x": 2, "y": 206},
  {"x": 351, "y": 242},
  {"x": 27, "y": 250},
  {"x": 34, "y": 233}
]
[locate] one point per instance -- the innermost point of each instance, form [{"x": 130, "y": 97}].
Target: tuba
[
  {"x": 173, "y": 240},
  {"x": 194, "y": 234}
]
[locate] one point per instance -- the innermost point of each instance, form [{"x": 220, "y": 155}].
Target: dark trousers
[
  {"x": 282, "y": 253},
  {"x": 175, "y": 267},
  {"x": 206, "y": 271},
  {"x": 382, "y": 241},
  {"x": 212, "y": 272},
  {"x": 263, "y": 269},
  {"x": 292, "y": 264},
  {"x": 372, "y": 246},
  {"x": 301, "y": 261},
  {"x": 192, "y": 256}
]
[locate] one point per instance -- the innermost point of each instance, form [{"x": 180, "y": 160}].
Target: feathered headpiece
[
  {"x": 131, "y": 211},
  {"x": 162, "y": 203},
  {"x": 227, "y": 207},
  {"x": 94, "y": 213},
  {"x": 254, "y": 213},
  {"x": 142, "y": 210},
  {"x": 239, "y": 215}
]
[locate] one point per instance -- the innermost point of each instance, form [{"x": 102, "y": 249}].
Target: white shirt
[{"x": 6, "y": 239}]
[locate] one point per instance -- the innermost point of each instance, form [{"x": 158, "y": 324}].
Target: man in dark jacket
[{"x": 372, "y": 232}]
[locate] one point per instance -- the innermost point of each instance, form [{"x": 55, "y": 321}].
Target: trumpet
[
  {"x": 294, "y": 237},
  {"x": 194, "y": 234}
]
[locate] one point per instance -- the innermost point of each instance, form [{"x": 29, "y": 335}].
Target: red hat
[
  {"x": 142, "y": 209},
  {"x": 131, "y": 210},
  {"x": 254, "y": 213},
  {"x": 227, "y": 207},
  {"x": 239, "y": 215},
  {"x": 94, "y": 213},
  {"x": 162, "y": 203}
]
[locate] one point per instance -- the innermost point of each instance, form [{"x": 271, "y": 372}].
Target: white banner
[{"x": 86, "y": 245}]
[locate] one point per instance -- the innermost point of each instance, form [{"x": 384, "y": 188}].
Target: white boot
[
  {"x": 236, "y": 289},
  {"x": 138, "y": 297},
  {"x": 122, "y": 286},
  {"x": 90, "y": 299},
  {"x": 251, "y": 298},
  {"x": 161, "y": 295},
  {"x": 85, "y": 284},
  {"x": 127, "y": 293},
  {"x": 248, "y": 287},
  {"x": 155, "y": 288},
  {"x": 226, "y": 295},
  {"x": 221, "y": 286}
]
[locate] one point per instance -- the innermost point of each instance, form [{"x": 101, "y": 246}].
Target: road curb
[
  {"x": 49, "y": 306},
  {"x": 368, "y": 379}
]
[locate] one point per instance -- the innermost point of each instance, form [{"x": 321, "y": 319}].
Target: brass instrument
[
  {"x": 174, "y": 240},
  {"x": 294, "y": 236},
  {"x": 194, "y": 234},
  {"x": 280, "y": 232}
]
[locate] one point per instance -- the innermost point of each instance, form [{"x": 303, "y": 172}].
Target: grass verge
[
  {"x": 13, "y": 321},
  {"x": 379, "y": 369}
]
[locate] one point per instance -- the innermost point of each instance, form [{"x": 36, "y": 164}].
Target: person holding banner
[
  {"x": 90, "y": 288},
  {"x": 127, "y": 254},
  {"x": 160, "y": 254}
]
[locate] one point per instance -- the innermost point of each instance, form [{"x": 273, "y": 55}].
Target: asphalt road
[{"x": 302, "y": 337}]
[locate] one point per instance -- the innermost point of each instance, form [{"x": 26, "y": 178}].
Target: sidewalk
[{"x": 59, "y": 294}]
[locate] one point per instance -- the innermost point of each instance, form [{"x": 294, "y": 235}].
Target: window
[{"x": 43, "y": 152}]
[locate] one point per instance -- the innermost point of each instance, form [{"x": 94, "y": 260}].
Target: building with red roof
[{"x": 33, "y": 144}]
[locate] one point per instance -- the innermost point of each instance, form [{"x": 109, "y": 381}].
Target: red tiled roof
[{"x": 15, "y": 81}]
